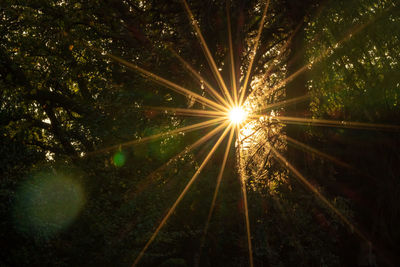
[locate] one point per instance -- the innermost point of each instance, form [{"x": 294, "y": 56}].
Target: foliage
[{"x": 75, "y": 190}]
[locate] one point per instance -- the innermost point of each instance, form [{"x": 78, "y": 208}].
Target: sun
[{"x": 237, "y": 115}]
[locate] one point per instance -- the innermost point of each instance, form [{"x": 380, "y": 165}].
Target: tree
[{"x": 79, "y": 103}]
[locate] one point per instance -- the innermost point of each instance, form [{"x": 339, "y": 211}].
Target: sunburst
[
  {"x": 237, "y": 115},
  {"x": 230, "y": 110}
]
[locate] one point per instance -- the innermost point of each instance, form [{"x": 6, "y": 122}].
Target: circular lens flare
[{"x": 237, "y": 115}]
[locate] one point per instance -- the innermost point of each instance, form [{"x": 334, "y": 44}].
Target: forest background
[{"x": 77, "y": 190}]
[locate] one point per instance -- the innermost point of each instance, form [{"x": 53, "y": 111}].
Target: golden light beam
[
  {"x": 331, "y": 123},
  {"x": 149, "y": 179},
  {"x": 253, "y": 54},
  {"x": 283, "y": 49},
  {"x": 187, "y": 149},
  {"x": 189, "y": 128},
  {"x": 207, "y": 85},
  {"x": 207, "y": 53},
  {"x": 228, "y": 146},
  {"x": 190, "y": 112},
  {"x": 280, "y": 55},
  {"x": 325, "y": 53},
  {"x": 180, "y": 197},
  {"x": 208, "y": 135},
  {"x": 169, "y": 84},
  {"x": 319, "y": 153},
  {"x": 325, "y": 156},
  {"x": 315, "y": 191},
  {"x": 246, "y": 209},
  {"x": 232, "y": 59},
  {"x": 284, "y": 103}
]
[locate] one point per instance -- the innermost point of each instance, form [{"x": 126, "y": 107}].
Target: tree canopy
[{"x": 111, "y": 113}]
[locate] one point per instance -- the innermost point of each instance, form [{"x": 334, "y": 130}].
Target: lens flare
[
  {"x": 237, "y": 115},
  {"x": 119, "y": 159},
  {"x": 47, "y": 203}
]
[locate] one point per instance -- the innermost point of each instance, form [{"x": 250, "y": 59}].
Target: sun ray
[
  {"x": 169, "y": 84},
  {"x": 246, "y": 209},
  {"x": 228, "y": 146},
  {"x": 280, "y": 55},
  {"x": 232, "y": 59},
  {"x": 330, "y": 123},
  {"x": 284, "y": 103},
  {"x": 209, "y": 135},
  {"x": 189, "y": 128},
  {"x": 315, "y": 191},
  {"x": 310, "y": 149},
  {"x": 189, "y": 112},
  {"x": 186, "y": 150},
  {"x": 253, "y": 54},
  {"x": 207, "y": 53},
  {"x": 327, "y": 52},
  {"x": 283, "y": 49},
  {"x": 207, "y": 85},
  {"x": 319, "y": 153},
  {"x": 150, "y": 177},
  {"x": 180, "y": 197},
  {"x": 244, "y": 194}
]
